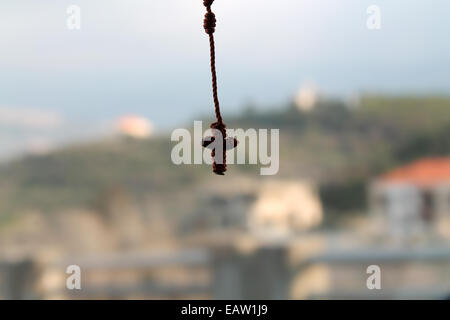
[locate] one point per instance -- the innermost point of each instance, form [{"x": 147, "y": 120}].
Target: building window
[{"x": 427, "y": 209}]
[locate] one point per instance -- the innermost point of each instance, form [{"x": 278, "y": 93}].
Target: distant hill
[{"x": 338, "y": 147}]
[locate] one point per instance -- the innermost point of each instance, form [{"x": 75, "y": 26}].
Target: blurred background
[{"x": 86, "y": 176}]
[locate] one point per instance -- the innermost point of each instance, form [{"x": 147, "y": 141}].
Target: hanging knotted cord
[{"x": 219, "y": 161}]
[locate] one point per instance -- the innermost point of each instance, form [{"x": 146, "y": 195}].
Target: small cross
[{"x": 229, "y": 144}]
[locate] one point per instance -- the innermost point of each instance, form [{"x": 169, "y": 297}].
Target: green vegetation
[{"x": 338, "y": 147}]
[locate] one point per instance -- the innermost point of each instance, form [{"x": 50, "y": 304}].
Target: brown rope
[{"x": 219, "y": 165}]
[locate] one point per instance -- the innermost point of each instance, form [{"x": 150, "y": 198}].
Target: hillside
[{"x": 337, "y": 147}]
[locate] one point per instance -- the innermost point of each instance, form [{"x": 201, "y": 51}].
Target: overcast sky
[{"x": 151, "y": 57}]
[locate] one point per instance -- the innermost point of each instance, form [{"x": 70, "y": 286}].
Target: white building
[
  {"x": 414, "y": 200},
  {"x": 282, "y": 207},
  {"x": 273, "y": 208}
]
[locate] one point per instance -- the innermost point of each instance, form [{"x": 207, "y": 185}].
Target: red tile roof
[{"x": 425, "y": 172}]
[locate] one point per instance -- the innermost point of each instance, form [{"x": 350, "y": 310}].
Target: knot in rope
[
  {"x": 210, "y": 22},
  {"x": 220, "y": 126},
  {"x": 220, "y": 160}
]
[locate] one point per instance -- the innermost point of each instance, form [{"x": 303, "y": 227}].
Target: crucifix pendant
[{"x": 219, "y": 157}]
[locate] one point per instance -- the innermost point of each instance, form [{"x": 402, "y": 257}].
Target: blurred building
[
  {"x": 134, "y": 126},
  {"x": 414, "y": 200},
  {"x": 277, "y": 207},
  {"x": 405, "y": 273},
  {"x": 284, "y": 207},
  {"x": 306, "y": 97}
]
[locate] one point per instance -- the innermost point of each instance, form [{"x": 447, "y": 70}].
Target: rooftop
[{"x": 426, "y": 172}]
